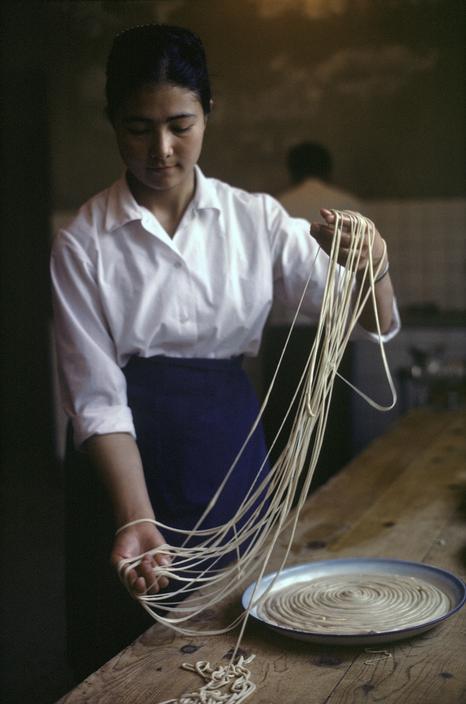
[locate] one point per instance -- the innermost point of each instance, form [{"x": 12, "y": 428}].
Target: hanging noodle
[{"x": 264, "y": 513}]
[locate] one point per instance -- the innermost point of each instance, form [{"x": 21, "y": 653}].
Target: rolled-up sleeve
[
  {"x": 93, "y": 387},
  {"x": 360, "y": 333}
]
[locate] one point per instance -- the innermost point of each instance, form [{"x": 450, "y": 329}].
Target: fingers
[
  {"x": 164, "y": 561},
  {"x": 143, "y": 541},
  {"x": 330, "y": 219},
  {"x": 139, "y": 585},
  {"x": 324, "y": 235},
  {"x": 144, "y": 578},
  {"x": 327, "y": 215},
  {"x": 324, "y": 232}
]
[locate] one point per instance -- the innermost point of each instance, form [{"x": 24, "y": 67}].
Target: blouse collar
[{"x": 123, "y": 208}]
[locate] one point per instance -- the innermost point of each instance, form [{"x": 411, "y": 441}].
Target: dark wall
[
  {"x": 31, "y": 529},
  {"x": 381, "y": 83},
  {"x": 25, "y": 235}
]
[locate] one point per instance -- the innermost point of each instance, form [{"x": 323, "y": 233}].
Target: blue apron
[{"x": 191, "y": 417}]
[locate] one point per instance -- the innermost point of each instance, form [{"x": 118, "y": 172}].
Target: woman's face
[{"x": 159, "y": 131}]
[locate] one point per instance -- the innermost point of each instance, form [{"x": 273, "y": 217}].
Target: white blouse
[{"x": 122, "y": 286}]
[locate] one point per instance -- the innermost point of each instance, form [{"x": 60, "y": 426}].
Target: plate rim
[{"x": 396, "y": 634}]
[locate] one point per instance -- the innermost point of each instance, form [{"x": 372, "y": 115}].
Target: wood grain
[{"x": 404, "y": 497}]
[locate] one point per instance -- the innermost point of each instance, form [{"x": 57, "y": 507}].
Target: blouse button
[{"x": 177, "y": 265}]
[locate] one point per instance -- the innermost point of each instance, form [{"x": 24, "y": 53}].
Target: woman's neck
[{"x": 168, "y": 205}]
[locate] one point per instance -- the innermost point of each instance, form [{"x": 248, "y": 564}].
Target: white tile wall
[{"x": 427, "y": 245}]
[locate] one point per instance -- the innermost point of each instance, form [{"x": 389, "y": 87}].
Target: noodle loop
[{"x": 354, "y": 604}]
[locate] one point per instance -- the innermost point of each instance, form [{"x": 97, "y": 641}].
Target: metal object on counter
[{"x": 431, "y": 380}]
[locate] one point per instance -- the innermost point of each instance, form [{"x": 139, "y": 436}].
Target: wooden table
[{"x": 404, "y": 497}]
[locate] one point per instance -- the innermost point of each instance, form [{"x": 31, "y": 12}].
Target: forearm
[
  {"x": 384, "y": 295},
  {"x": 117, "y": 459}
]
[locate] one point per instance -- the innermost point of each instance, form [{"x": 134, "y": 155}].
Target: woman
[{"x": 161, "y": 283}]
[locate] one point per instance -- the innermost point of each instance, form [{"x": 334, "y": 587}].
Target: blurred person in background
[{"x": 310, "y": 168}]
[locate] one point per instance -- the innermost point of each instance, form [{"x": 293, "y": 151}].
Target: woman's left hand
[
  {"x": 136, "y": 540},
  {"x": 324, "y": 233}
]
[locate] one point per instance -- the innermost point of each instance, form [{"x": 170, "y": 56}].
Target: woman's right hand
[
  {"x": 119, "y": 464},
  {"x": 134, "y": 541}
]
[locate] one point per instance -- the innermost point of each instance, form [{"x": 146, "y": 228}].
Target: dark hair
[
  {"x": 309, "y": 159},
  {"x": 156, "y": 53}
]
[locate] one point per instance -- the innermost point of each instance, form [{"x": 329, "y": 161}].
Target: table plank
[
  {"x": 428, "y": 669},
  {"x": 401, "y": 498},
  {"x": 332, "y": 510},
  {"x": 407, "y": 517}
]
